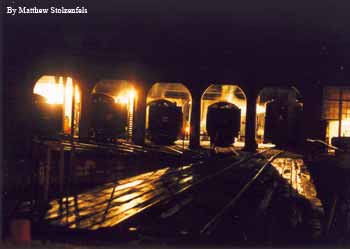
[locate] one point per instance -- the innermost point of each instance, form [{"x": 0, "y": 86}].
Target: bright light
[
  {"x": 260, "y": 109},
  {"x": 77, "y": 94},
  {"x": 68, "y": 104},
  {"x": 187, "y": 130},
  {"x": 60, "y": 92},
  {"x": 125, "y": 97},
  {"x": 121, "y": 100},
  {"x": 131, "y": 94},
  {"x": 48, "y": 88},
  {"x": 345, "y": 128},
  {"x": 333, "y": 129}
]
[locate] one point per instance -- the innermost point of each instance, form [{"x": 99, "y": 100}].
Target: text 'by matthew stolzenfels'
[{"x": 23, "y": 10}]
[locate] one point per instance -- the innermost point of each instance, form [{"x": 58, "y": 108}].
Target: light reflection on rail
[
  {"x": 298, "y": 177},
  {"x": 113, "y": 203}
]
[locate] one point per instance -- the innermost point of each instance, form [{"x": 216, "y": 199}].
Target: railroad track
[
  {"x": 122, "y": 147},
  {"x": 164, "y": 197}
]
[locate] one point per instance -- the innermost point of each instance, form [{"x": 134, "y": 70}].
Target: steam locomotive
[
  {"x": 223, "y": 123},
  {"x": 109, "y": 119},
  {"x": 165, "y": 121},
  {"x": 47, "y": 118}
]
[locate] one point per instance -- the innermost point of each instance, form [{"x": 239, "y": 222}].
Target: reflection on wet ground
[
  {"x": 112, "y": 203},
  {"x": 298, "y": 185},
  {"x": 298, "y": 177}
]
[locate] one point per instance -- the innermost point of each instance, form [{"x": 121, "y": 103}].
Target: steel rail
[{"x": 207, "y": 229}]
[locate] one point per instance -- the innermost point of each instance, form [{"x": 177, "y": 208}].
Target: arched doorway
[
  {"x": 168, "y": 113},
  {"x": 57, "y": 106},
  {"x": 113, "y": 110},
  {"x": 231, "y": 94}
]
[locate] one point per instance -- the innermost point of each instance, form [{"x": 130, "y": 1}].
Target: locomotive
[
  {"x": 109, "y": 119},
  {"x": 283, "y": 123},
  {"x": 223, "y": 123},
  {"x": 165, "y": 121},
  {"x": 47, "y": 118}
]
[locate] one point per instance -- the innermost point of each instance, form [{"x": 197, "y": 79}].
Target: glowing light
[
  {"x": 333, "y": 129},
  {"x": 187, "y": 130},
  {"x": 77, "y": 94},
  {"x": 48, "y": 88},
  {"x": 131, "y": 94},
  {"x": 60, "y": 93},
  {"x": 68, "y": 95},
  {"x": 121, "y": 100},
  {"x": 260, "y": 109},
  {"x": 125, "y": 97}
]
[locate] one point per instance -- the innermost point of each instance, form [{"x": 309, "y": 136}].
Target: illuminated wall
[
  {"x": 336, "y": 111},
  {"x": 62, "y": 91},
  {"x": 229, "y": 93},
  {"x": 173, "y": 92}
]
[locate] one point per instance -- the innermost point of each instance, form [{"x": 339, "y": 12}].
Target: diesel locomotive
[
  {"x": 283, "y": 123},
  {"x": 223, "y": 123},
  {"x": 47, "y": 118},
  {"x": 165, "y": 121},
  {"x": 109, "y": 119}
]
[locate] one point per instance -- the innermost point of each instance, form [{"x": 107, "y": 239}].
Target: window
[{"x": 336, "y": 111}]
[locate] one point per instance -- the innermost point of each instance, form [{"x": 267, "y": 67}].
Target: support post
[
  {"x": 61, "y": 168},
  {"x": 250, "y": 126},
  {"x": 195, "y": 121},
  {"x": 47, "y": 173},
  {"x": 140, "y": 117}
]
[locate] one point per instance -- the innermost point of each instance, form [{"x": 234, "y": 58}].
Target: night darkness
[{"x": 169, "y": 102}]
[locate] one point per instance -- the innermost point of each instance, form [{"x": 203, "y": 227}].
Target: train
[
  {"x": 283, "y": 123},
  {"x": 223, "y": 123},
  {"x": 108, "y": 119},
  {"x": 47, "y": 118},
  {"x": 164, "y": 121}
]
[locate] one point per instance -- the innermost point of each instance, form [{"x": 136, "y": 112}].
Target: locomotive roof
[{"x": 223, "y": 105}]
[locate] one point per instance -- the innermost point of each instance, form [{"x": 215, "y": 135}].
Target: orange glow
[
  {"x": 126, "y": 97},
  {"x": 68, "y": 95},
  {"x": 333, "y": 129},
  {"x": 260, "y": 109},
  {"x": 48, "y": 88},
  {"x": 77, "y": 94},
  {"x": 61, "y": 92},
  {"x": 176, "y": 93},
  {"x": 228, "y": 93},
  {"x": 345, "y": 128}
]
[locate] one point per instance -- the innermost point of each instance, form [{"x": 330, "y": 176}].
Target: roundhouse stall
[
  {"x": 165, "y": 121},
  {"x": 223, "y": 123},
  {"x": 109, "y": 119}
]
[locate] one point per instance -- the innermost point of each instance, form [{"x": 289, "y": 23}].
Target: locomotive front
[{"x": 223, "y": 123}]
